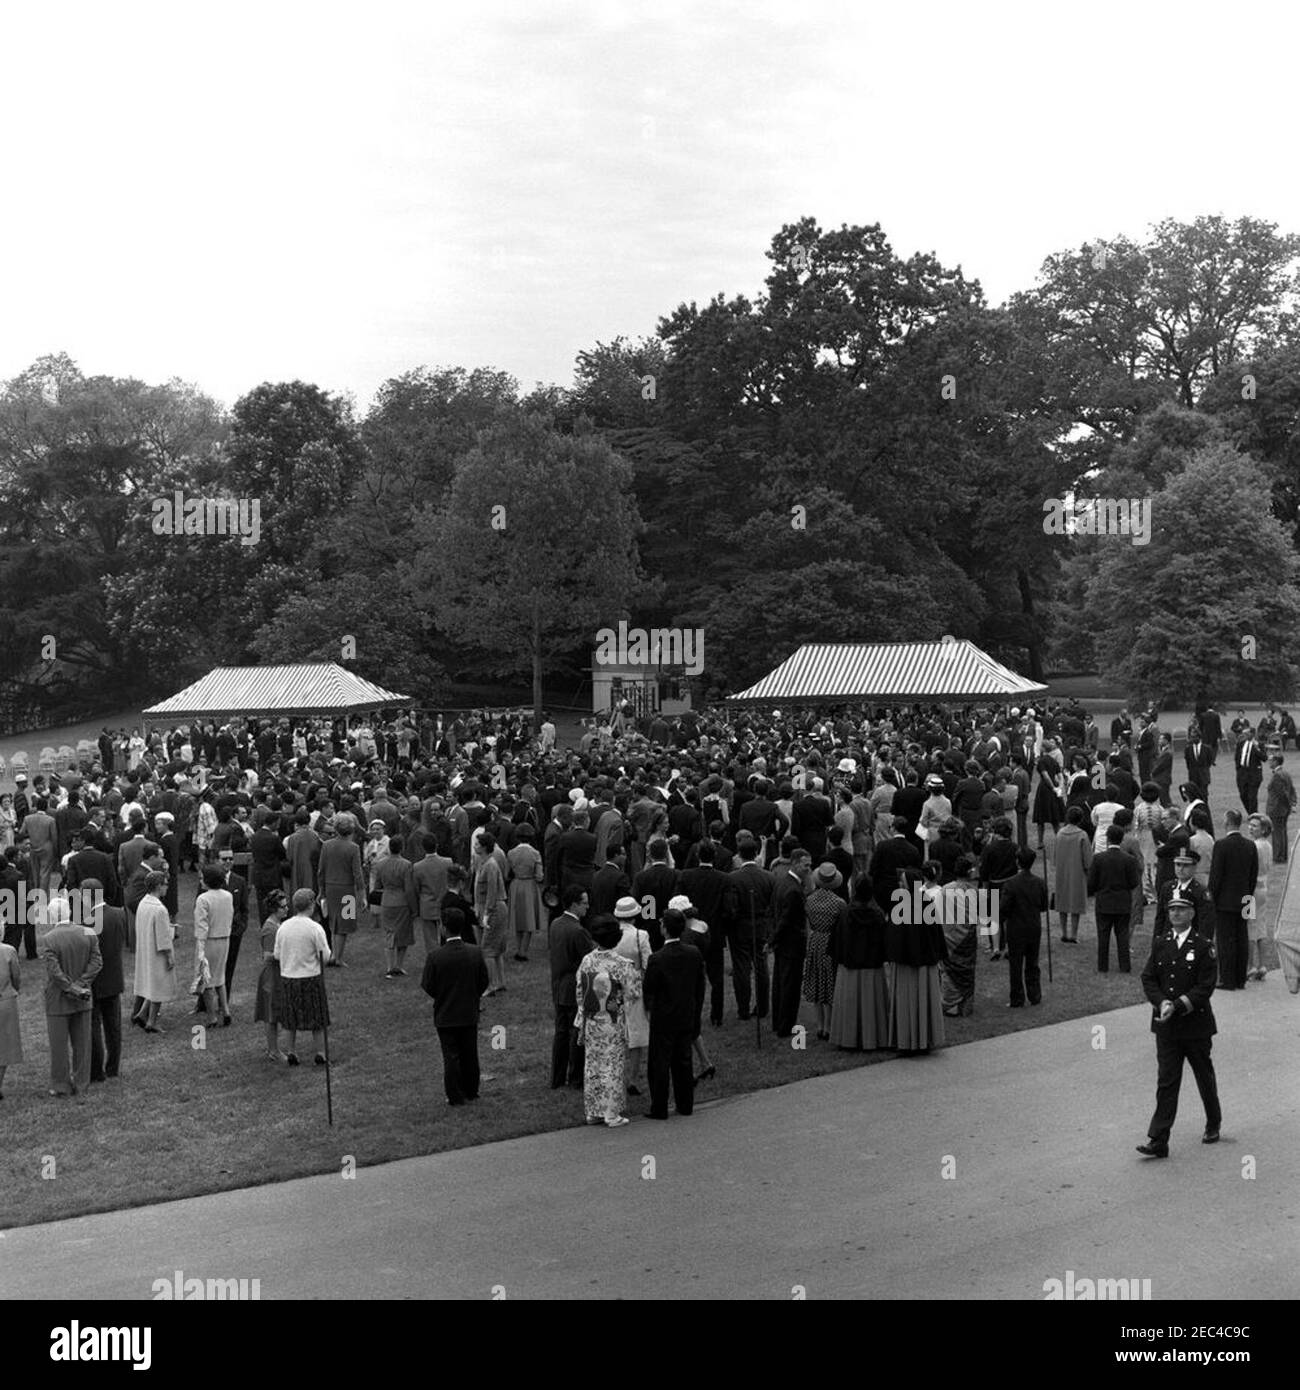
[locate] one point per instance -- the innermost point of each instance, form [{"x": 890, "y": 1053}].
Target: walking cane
[
  {"x": 329, "y": 1092},
  {"x": 753, "y": 927},
  {"x": 1047, "y": 911}
]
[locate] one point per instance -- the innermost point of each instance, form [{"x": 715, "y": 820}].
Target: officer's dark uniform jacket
[
  {"x": 1186, "y": 974},
  {"x": 1193, "y": 889}
]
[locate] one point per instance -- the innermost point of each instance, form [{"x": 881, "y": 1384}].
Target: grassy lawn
[{"x": 183, "y": 1120}]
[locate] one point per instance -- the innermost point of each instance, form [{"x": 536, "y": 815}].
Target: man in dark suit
[
  {"x": 711, "y": 892},
  {"x": 1146, "y": 748},
  {"x": 1199, "y": 755},
  {"x": 576, "y": 855},
  {"x": 653, "y": 887},
  {"x": 810, "y": 820},
  {"x": 1211, "y": 730},
  {"x": 89, "y": 863},
  {"x": 789, "y": 942},
  {"x": 751, "y": 927},
  {"x": 609, "y": 883},
  {"x": 674, "y": 998},
  {"x": 897, "y": 853},
  {"x": 1022, "y": 903},
  {"x": 72, "y": 960},
  {"x": 568, "y": 941},
  {"x": 1249, "y": 760},
  {"x": 907, "y": 806},
  {"x": 1112, "y": 878},
  {"x": 109, "y": 925},
  {"x": 1234, "y": 872},
  {"x": 455, "y": 976},
  {"x": 1178, "y": 980}
]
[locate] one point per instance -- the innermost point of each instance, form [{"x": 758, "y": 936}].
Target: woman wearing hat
[
  {"x": 936, "y": 811},
  {"x": 607, "y": 982},
  {"x": 634, "y": 946},
  {"x": 526, "y": 875},
  {"x": 826, "y": 912}
]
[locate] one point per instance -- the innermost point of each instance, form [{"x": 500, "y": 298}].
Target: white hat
[
  {"x": 681, "y": 903},
  {"x": 846, "y": 765},
  {"x": 627, "y": 908},
  {"x": 1015, "y": 709}
]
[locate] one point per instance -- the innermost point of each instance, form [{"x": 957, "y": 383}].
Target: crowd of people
[{"x": 855, "y": 860}]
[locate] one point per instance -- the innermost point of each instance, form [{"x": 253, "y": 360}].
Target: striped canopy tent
[
  {"x": 319, "y": 688},
  {"x": 889, "y": 673}
]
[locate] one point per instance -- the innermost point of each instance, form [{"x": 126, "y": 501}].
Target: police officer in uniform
[
  {"x": 1178, "y": 980},
  {"x": 1184, "y": 885}
]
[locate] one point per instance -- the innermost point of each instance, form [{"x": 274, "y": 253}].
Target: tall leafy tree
[{"x": 534, "y": 549}]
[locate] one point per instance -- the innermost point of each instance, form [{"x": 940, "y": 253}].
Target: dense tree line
[{"x": 861, "y": 452}]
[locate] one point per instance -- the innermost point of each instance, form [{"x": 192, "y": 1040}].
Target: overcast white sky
[{"x": 233, "y": 193}]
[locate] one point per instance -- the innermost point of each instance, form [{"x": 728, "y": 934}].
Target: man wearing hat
[
  {"x": 1185, "y": 885},
  {"x": 1179, "y": 980}
]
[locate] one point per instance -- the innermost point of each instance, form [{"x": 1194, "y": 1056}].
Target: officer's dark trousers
[
  {"x": 715, "y": 966},
  {"x": 1279, "y": 839},
  {"x": 1118, "y": 922},
  {"x": 787, "y": 984},
  {"x": 1248, "y": 790},
  {"x": 1170, "y": 1052},
  {"x": 669, "y": 1058},
  {"x": 1022, "y": 957},
  {"x": 566, "y": 1056},
  {"x": 1233, "y": 943},
  {"x": 743, "y": 961}
]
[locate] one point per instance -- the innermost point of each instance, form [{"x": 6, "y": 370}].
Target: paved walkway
[{"x": 835, "y": 1185}]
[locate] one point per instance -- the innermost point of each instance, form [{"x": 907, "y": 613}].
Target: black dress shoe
[
  {"x": 1211, "y": 1136},
  {"x": 1153, "y": 1150}
]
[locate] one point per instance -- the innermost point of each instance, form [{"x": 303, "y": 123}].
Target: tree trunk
[
  {"x": 1032, "y": 644},
  {"x": 537, "y": 672}
]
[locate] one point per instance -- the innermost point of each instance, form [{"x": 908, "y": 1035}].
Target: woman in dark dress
[
  {"x": 267, "y": 1008},
  {"x": 913, "y": 952},
  {"x": 860, "y": 1006}
]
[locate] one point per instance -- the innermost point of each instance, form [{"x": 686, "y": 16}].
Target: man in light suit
[
  {"x": 72, "y": 960},
  {"x": 430, "y": 876},
  {"x": 1234, "y": 873},
  {"x": 1249, "y": 760},
  {"x": 455, "y": 977},
  {"x": 42, "y": 838}
]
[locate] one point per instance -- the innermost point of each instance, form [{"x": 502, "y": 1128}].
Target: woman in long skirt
[
  {"x": 267, "y": 1009},
  {"x": 913, "y": 951},
  {"x": 11, "y": 1041},
  {"x": 606, "y": 984},
  {"x": 960, "y": 934},
  {"x": 634, "y": 946},
  {"x": 860, "y": 1007}
]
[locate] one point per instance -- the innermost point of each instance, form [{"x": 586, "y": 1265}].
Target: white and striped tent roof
[
  {"x": 889, "y": 673},
  {"x": 312, "y": 687}
]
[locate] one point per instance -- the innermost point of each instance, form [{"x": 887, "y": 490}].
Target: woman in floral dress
[{"x": 607, "y": 983}]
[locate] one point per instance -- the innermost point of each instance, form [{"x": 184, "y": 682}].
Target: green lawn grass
[{"x": 184, "y": 1120}]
